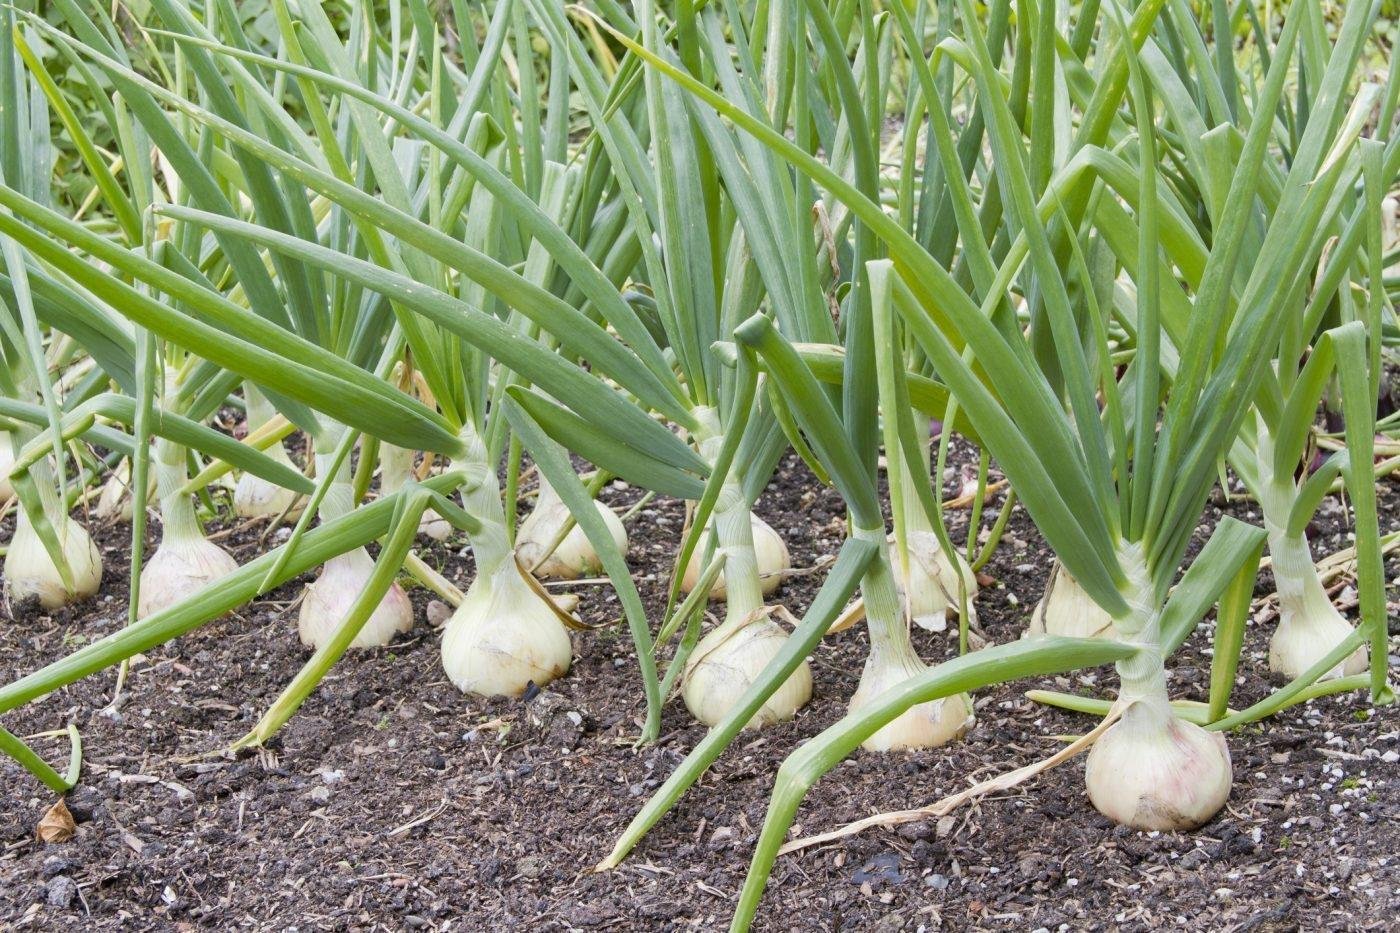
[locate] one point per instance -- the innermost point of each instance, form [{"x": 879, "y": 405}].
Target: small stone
[
  {"x": 332, "y": 777},
  {"x": 438, "y": 612},
  {"x": 882, "y": 869},
  {"x": 915, "y": 831},
  {"x": 60, "y": 891},
  {"x": 1391, "y": 757},
  {"x": 54, "y": 865},
  {"x": 936, "y": 881},
  {"x": 320, "y": 794},
  {"x": 530, "y": 866}
]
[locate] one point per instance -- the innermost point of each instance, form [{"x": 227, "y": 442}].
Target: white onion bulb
[
  {"x": 932, "y": 591},
  {"x": 31, "y": 574},
  {"x": 182, "y": 565},
  {"x": 1309, "y": 626},
  {"x": 575, "y": 556},
  {"x": 926, "y": 725},
  {"x": 329, "y": 598},
  {"x": 504, "y": 636},
  {"x": 769, "y": 550},
  {"x": 1304, "y": 637},
  {"x": 255, "y": 497},
  {"x": 729, "y": 659},
  {"x": 1153, "y": 771},
  {"x": 1066, "y": 609}
]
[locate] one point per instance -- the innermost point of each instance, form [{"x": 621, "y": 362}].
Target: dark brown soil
[{"x": 392, "y": 801}]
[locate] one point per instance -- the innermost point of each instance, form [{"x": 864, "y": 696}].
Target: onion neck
[
  {"x": 259, "y": 410},
  {"x": 490, "y": 544},
  {"x": 45, "y": 482},
  {"x": 884, "y": 615},
  {"x": 1300, "y": 589},
  {"x": 177, "y": 516},
  {"x": 733, "y": 526},
  {"x": 916, "y": 520},
  {"x": 1142, "y": 676},
  {"x": 395, "y": 468}
]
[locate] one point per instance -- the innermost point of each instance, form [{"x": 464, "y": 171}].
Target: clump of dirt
[{"x": 391, "y": 800}]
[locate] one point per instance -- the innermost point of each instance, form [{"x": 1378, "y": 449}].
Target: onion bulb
[
  {"x": 1153, "y": 771},
  {"x": 575, "y": 556},
  {"x": 31, "y": 574},
  {"x": 186, "y": 561},
  {"x": 504, "y": 636},
  {"x": 1309, "y": 626},
  {"x": 769, "y": 550},
  {"x": 931, "y": 592},
  {"x": 1066, "y": 609},
  {"x": 328, "y": 600},
  {"x": 729, "y": 659},
  {"x": 183, "y": 564},
  {"x": 923, "y": 726},
  {"x": 255, "y": 497}
]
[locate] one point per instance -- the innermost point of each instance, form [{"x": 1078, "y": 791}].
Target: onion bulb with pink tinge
[{"x": 1153, "y": 771}]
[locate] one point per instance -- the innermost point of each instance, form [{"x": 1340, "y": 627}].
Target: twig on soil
[
  {"x": 945, "y": 806},
  {"x": 418, "y": 821}
]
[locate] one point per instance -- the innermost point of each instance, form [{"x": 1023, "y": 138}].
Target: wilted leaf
[{"x": 57, "y": 824}]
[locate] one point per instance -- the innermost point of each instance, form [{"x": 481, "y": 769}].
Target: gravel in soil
[{"x": 392, "y": 801}]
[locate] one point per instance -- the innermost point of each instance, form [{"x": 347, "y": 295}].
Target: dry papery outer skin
[
  {"x": 31, "y": 574},
  {"x": 931, "y": 593},
  {"x": 575, "y": 556},
  {"x": 114, "y": 502},
  {"x": 504, "y": 636},
  {"x": 1154, "y": 771},
  {"x": 327, "y": 601},
  {"x": 1066, "y": 609},
  {"x": 926, "y": 725},
  {"x": 770, "y": 551},
  {"x": 180, "y": 566},
  {"x": 728, "y": 660}
]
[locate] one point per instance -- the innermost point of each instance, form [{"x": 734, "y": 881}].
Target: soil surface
[{"x": 391, "y": 801}]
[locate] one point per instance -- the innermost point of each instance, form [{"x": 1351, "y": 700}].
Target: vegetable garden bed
[{"x": 391, "y": 799}]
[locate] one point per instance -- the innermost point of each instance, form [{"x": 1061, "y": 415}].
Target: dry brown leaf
[{"x": 57, "y": 824}]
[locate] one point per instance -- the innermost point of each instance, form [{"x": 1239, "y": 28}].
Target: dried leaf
[{"x": 57, "y": 824}]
